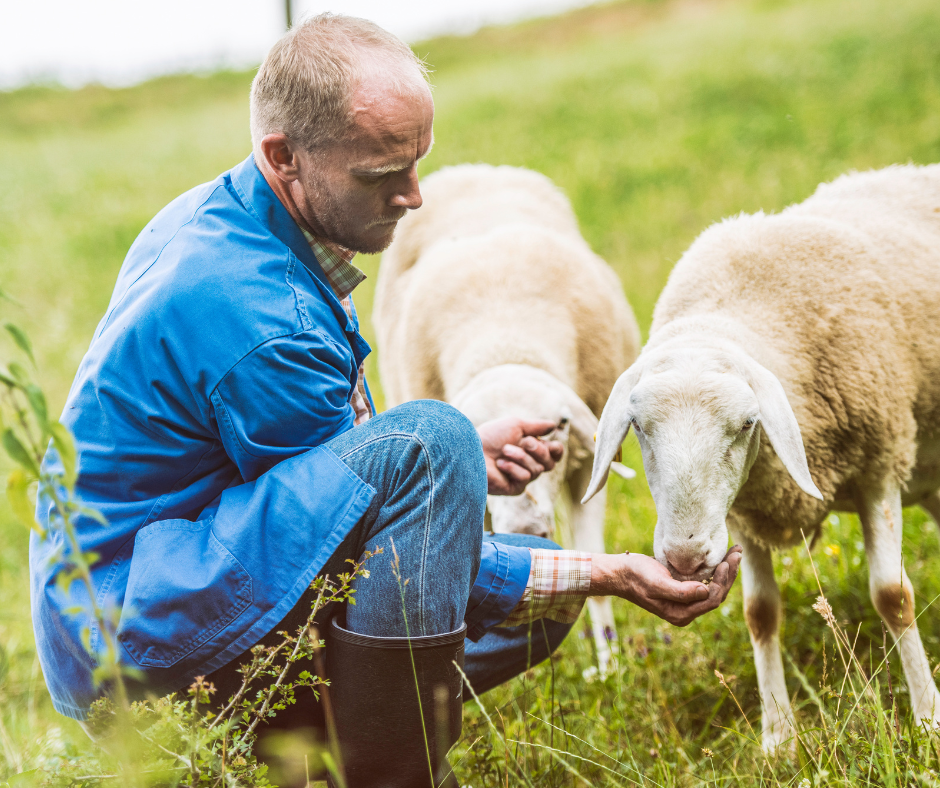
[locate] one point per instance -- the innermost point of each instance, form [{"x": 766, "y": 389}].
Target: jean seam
[
  {"x": 376, "y": 439},
  {"x": 422, "y": 571}
]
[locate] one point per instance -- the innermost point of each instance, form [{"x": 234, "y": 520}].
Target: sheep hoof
[
  {"x": 929, "y": 716},
  {"x": 606, "y": 665},
  {"x": 779, "y": 740}
]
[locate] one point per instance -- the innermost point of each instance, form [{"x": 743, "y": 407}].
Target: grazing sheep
[
  {"x": 822, "y": 320},
  {"x": 490, "y": 299}
]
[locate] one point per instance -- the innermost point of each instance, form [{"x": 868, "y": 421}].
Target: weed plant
[{"x": 657, "y": 118}]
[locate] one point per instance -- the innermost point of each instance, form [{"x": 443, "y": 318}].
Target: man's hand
[
  {"x": 515, "y": 455},
  {"x": 647, "y": 583}
]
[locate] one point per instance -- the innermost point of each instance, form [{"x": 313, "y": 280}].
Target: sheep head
[
  {"x": 528, "y": 392},
  {"x": 698, "y": 409}
]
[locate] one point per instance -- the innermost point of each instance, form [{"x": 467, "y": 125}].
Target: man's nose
[{"x": 408, "y": 195}]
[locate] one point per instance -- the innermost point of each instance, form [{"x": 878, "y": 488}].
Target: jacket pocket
[{"x": 184, "y": 587}]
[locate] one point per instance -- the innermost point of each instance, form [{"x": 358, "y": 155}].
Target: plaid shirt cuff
[{"x": 558, "y": 586}]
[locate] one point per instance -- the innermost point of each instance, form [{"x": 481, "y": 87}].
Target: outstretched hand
[
  {"x": 515, "y": 455},
  {"x": 648, "y": 584}
]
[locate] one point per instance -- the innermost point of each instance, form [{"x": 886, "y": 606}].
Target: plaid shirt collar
[{"x": 336, "y": 262}]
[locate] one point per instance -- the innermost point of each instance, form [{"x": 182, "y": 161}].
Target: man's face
[{"x": 355, "y": 191}]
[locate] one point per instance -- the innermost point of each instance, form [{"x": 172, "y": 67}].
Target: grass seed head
[{"x": 824, "y": 609}]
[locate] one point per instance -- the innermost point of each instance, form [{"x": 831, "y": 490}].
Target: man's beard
[{"x": 334, "y": 225}]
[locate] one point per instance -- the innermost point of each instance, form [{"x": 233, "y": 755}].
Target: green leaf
[
  {"x": 17, "y": 493},
  {"x": 37, "y": 401},
  {"x": 7, "y": 380},
  {"x": 64, "y": 579},
  {"x": 133, "y": 673},
  {"x": 24, "y": 778},
  {"x": 94, "y": 514},
  {"x": 330, "y": 765},
  {"x": 65, "y": 446},
  {"x": 101, "y": 674},
  {"x": 86, "y": 638},
  {"x": 22, "y": 341},
  {"x": 18, "y": 453},
  {"x": 19, "y": 372}
]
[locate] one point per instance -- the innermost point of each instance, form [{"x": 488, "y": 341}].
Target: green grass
[{"x": 657, "y": 119}]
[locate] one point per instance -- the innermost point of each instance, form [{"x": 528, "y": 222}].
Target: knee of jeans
[
  {"x": 440, "y": 419},
  {"x": 449, "y": 436}
]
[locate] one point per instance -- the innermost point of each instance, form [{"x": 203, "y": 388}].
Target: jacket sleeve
[
  {"x": 499, "y": 585},
  {"x": 288, "y": 395}
]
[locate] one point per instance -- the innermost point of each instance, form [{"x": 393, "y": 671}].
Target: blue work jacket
[{"x": 222, "y": 365}]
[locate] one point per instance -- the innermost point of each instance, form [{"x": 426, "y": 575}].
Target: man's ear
[{"x": 280, "y": 156}]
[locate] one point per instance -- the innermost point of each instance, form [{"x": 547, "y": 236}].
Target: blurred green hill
[{"x": 656, "y": 117}]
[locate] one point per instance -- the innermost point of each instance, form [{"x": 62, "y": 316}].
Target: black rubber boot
[{"x": 374, "y": 688}]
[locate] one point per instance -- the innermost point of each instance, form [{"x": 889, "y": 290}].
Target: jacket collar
[{"x": 261, "y": 201}]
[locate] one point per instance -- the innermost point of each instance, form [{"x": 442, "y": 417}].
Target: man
[{"x": 227, "y": 433}]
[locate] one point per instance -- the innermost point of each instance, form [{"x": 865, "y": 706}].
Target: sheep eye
[
  {"x": 747, "y": 425},
  {"x": 636, "y": 426}
]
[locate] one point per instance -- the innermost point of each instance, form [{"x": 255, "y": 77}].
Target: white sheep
[
  {"x": 822, "y": 320},
  {"x": 490, "y": 299}
]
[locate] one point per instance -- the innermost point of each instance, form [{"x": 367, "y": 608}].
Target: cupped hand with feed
[
  {"x": 644, "y": 581},
  {"x": 515, "y": 454}
]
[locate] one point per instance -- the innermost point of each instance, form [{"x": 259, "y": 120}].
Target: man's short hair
[{"x": 305, "y": 84}]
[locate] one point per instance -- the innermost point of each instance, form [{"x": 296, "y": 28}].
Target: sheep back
[{"x": 494, "y": 273}]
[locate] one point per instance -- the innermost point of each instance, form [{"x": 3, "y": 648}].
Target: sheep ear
[
  {"x": 612, "y": 429},
  {"x": 583, "y": 426},
  {"x": 779, "y": 422}
]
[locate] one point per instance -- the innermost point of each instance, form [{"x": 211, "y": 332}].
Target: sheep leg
[
  {"x": 587, "y": 528},
  {"x": 762, "y": 613},
  {"x": 931, "y": 503},
  {"x": 893, "y": 594}
]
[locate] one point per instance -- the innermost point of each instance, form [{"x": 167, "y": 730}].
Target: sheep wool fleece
[{"x": 851, "y": 278}]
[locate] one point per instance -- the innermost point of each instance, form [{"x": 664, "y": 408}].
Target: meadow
[{"x": 657, "y": 118}]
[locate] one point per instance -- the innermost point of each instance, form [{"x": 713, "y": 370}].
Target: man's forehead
[
  {"x": 391, "y": 126},
  {"x": 383, "y": 107}
]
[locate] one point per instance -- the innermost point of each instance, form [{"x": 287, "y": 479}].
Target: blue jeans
[{"x": 425, "y": 461}]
